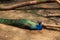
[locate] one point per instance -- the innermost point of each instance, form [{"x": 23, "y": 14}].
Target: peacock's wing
[
  {"x": 19, "y": 22},
  {"x": 31, "y": 24}
]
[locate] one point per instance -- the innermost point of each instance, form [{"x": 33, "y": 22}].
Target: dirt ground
[{"x": 8, "y": 32}]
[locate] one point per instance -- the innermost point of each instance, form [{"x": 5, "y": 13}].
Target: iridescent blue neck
[{"x": 39, "y": 26}]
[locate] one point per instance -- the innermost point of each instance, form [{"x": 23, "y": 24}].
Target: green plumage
[{"x": 19, "y": 22}]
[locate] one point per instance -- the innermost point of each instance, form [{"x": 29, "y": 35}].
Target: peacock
[{"x": 22, "y": 23}]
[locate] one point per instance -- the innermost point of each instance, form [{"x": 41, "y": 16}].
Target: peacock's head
[{"x": 39, "y": 26}]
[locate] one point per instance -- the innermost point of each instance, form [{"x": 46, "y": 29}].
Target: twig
[
  {"x": 23, "y": 4},
  {"x": 51, "y": 25},
  {"x": 50, "y": 15},
  {"x": 58, "y": 1}
]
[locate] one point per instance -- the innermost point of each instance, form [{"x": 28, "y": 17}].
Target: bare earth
[{"x": 8, "y": 32}]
